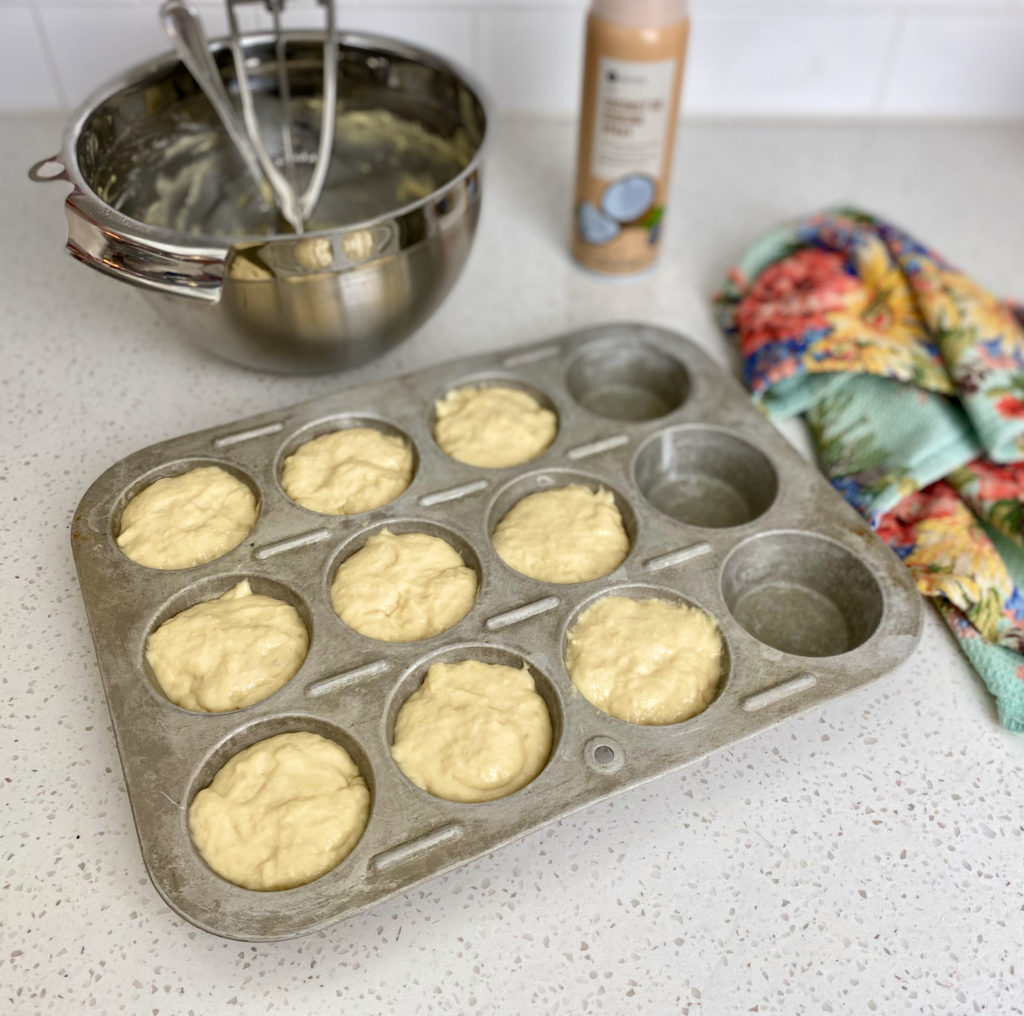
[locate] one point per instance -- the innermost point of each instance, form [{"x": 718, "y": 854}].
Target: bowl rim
[{"x": 204, "y": 244}]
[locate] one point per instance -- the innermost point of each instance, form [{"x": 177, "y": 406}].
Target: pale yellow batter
[
  {"x": 473, "y": 731},
  {"x": 400, "y": 588},
  {"x": 348, "y": 471},
  {"x": 493, "y": 427},
  {"x": 189, "y": 519},
  {"x": 570, "y": 534},
  {"x": 645, "y": 661},
  {"x": 227, "y": 653},
  {"x": 281, "y": 813}
]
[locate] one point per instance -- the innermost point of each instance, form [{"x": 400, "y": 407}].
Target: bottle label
[{"x": 634, "y": 102}]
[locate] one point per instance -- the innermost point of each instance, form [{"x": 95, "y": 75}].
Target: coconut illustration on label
[
  {"x": 596, "y": 227},
  {"x": 628, "y": 198},
  {"x": 625, "y": 203}
]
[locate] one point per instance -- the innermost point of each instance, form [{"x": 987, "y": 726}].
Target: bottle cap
[{"x": 641, "y": 13}]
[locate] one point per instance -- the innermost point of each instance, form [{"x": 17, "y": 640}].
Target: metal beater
[{"x": 185, "y": 30}]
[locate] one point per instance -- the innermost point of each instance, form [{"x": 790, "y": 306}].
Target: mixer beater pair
[{"x": 184, "y": 28}]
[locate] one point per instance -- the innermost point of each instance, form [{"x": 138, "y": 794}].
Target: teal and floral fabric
[{"x": 911, "y": 378}]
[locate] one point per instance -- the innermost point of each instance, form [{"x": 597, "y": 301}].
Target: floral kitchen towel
[{"x": 911, "y": 377}]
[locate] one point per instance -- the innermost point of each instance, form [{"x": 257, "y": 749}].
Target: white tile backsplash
[
  {"x": 447, "y": 30},
  {"x": 933, "y": 58},
  {"x": 25, "y": 78},
  {"x": 531, "y": 59},
  {"x": 963, "y": 64},
  {"x": 92, "y": 41},
  {"x": 786, "y": 62}
]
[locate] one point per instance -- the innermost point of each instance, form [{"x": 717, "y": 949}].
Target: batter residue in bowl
[{"x": 178, "y": 170}]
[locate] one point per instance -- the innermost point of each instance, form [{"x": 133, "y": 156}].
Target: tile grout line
[
  {"x": 475, "y": 30},
  {"x": 48, "y": 55},
  {"x": 890, "y": 54}
]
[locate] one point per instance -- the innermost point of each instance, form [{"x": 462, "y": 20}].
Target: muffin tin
[{"x": 721, "y": 513}]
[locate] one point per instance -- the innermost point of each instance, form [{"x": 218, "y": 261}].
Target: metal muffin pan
[{"x": 721, "y": 513}]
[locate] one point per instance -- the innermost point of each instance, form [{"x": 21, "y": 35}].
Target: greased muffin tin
[{"x": 721, "y": 513}]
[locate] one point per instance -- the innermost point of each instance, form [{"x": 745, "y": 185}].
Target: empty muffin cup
[
  {"x": 706, "y": 477},
  {"x": 802, "y": 594},
  {"x": 626, "y": 380}
]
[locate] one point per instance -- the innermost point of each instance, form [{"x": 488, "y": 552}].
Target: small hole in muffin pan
[
  {"x": 210, "y": 589},
  {"x": 627, "y": 380},
  {"x": 399, "y": 526},
  {"x": 246, "y": 737},
  {"x": 330, "y": 425},
  {"x": 552, "y": 479},
  {"x": 176, "y": 468},
  {"x": 705, "y": 476},
  {"x": 604, "y": 755},
  {"x": 647, "y": 592},
  {"x": 801, "y": 593},
  {"x": 485, "y": 653}
]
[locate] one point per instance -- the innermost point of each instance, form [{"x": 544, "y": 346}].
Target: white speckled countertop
[{"x": 865, "y": 857}]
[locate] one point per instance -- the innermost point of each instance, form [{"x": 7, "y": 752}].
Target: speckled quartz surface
[{"x": 866, "y": 857}]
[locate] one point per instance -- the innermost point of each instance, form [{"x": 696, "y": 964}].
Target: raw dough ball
[
  {"x": 228, "y": 653},
  {"x": 189, "y": 519},
  {"x": 403, "y": 588},
  {"x": 314, "y": 252},
  {"x": 281, "y": 813},
  {"x": 473, "y": 731},
  {"x": 570, "y": 534},
  {"x": 493, "y": 427},
  {"x": 348, "y": 471},
  {"x": 645, "y": 661}
]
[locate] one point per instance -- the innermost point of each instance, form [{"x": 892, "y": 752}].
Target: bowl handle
[
  {"x": 172, "y": 269},
  {"x": 37, "y": 174}
]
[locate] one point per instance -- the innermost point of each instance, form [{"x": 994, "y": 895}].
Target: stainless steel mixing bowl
[{"x": 161, "y": 200}]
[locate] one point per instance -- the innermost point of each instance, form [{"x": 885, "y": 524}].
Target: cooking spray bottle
[{"x": 632, "y": 75}]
